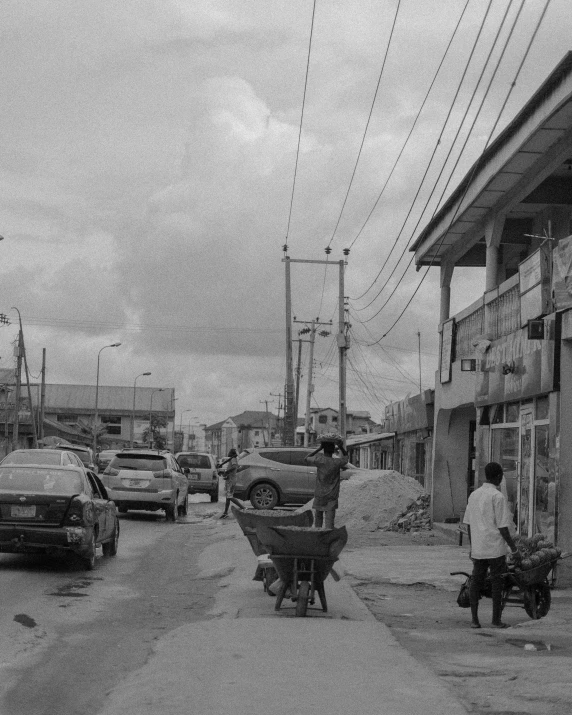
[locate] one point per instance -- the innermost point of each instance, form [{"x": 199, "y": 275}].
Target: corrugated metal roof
[
  {"x": 368, "y": 438},
  {"x": 81, "y": 398}
]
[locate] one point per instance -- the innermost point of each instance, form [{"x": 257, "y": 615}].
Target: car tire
[
  {"x": 264, "y": 496},
  {"x": 88, "y": 560},
  {"x": 171, "y": 512},
  {"x": 110, "y": 547},
  {"x": 183, "y": 509},
  {"x": 214, "y": 496},
  {"x": 123, "y": 510}
]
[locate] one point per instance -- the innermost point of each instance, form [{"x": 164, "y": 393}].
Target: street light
[
  {"x": 133, "y": 411},
  {"x": 113, "y": 345},
  {"x": 159, "y": 389}
]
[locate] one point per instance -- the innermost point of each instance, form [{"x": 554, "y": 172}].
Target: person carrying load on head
[
  {"x": 229, "y": 477},
  {"x": 328, "y": 478}
]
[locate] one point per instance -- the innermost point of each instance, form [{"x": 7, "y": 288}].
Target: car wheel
[
  {"x": 110, "y": 547},
  {"x": 89, "y": 559},
  {"x": 171, "y": 512},
  {"x": 184, "y": 508},
  {"x": 264, "y": 496},
  {"x": 214, "y": 496},
  {"x": 123, "y": 510}
]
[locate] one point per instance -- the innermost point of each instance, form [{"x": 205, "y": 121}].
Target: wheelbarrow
[
  {"x": 303, "y": 558},
  {"x": 250, "y": 519},
  {"x": 528, "y": 589}
]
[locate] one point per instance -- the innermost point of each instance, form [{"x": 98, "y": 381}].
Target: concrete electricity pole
[{"x": 265, "y": 402}]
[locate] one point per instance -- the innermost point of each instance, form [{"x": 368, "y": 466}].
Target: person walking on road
[
  {"x": 488, "y": 520},
  {"x": 328, "y": 479},
  {"x": 229, "y": 477}
]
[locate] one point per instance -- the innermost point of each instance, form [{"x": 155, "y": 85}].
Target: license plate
[
  {"x": 136, "y": 483},
  {"x": 23, "y": 511},
  {"x": 195, "y": 475}
]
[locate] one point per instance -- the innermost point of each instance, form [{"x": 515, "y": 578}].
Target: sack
[{"x": 464, "y": 599}]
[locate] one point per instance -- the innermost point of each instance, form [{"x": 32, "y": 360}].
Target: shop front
[{"x": 518, "y": 407}]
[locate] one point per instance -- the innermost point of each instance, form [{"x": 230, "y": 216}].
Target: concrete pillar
[
  {"x": 493, "y": 233},
  {"x": 446, "y": 276},
  {"x": 564, "y": 500}
]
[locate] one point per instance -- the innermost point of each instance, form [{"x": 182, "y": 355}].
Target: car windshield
[
  {"x": 84, "y": 456},
  {"x": 196, "y": 461},
  {"x": 37, "y": 457},
  {"x": 142, "y": 462},
  {"x": 39, "y": 481}
]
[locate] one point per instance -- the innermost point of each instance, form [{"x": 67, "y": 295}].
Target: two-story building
[
  {"x": 504, "y": 384},
  {"x": 251, "y": 428}
]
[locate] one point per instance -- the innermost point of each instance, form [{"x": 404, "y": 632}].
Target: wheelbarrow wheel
[
  {"x": 537, "y": 599},
  {"x": 303, "y": 596}
]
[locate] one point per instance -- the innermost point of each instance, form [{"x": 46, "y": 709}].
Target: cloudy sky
[{"x": 148, "y": 150}]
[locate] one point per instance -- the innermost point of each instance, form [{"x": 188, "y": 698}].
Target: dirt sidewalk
[{"x": 404, "y": 580}]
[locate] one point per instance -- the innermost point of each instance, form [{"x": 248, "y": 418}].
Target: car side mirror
[{"x": 186, "y": 470}]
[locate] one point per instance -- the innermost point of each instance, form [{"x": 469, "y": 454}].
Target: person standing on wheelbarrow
[
  {"x": 488, "y": 519},
  {"x": 328, "y": 479}
]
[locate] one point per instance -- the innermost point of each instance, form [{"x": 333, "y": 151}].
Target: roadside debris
[{"x": 415, "y": 518}]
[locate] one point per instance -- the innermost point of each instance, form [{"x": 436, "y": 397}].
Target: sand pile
[{"x": 372, "y": 499}]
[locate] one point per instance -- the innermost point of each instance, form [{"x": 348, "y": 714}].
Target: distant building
[{"x": 252, "y": 428}]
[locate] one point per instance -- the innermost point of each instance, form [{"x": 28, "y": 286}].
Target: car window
[
  {"x": 144, "y": 462},
  {"x": 83, "y": 456},
  {"x": 282, "y": 457},
  {"x": 48, "y": 481},
  {"x": 39, "y": 457},
  {"x": 94, "y": 486},
  {"x": 298, "y": 458},
  {"x": 195, "y": 461}
]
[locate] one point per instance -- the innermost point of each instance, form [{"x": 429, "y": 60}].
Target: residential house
[{"x": 251, "y": 428}]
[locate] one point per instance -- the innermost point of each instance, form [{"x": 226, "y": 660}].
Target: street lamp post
[
  {"x": 159, "y": 389},
  {"x": 113, "y": 345},
  {"x": 133, "y": 411}
]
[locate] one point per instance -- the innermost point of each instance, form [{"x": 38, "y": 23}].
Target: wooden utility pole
[
  {"x": 18, "y": 395},
  {"x": 42, "y": 395},
  {"x": 310, "y": 387},
  {"x": 32, "y": 418},
  {"x": 267, "y": 422},
  {"x": 289, "y": 429},
  {"x": 298, "y": 375},
  {"x": 419, "y": 351}
]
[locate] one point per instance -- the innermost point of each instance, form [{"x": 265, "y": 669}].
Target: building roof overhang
[{"x": 528, "y": 166}]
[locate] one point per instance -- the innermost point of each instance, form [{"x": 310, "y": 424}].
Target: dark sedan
[{"x": 56, "y": 510}]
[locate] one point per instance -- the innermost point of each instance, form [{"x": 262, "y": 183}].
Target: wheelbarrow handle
[{"x": 460, "y": 573}]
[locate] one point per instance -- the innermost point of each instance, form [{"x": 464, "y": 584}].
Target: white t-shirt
[{"x": 487, "y": 512}]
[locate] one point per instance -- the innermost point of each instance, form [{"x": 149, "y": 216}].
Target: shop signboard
[
  {"x": 562, "y": 273},
  {"x": 446, "y": 355},
  {"x": 534, "y": 285},
  {"x": 515, "y": 367}
]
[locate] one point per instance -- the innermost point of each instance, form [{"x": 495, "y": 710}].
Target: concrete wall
[{"x": 451, "y": 461}]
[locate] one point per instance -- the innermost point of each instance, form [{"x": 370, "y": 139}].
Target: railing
[{"x": 495, "y": 316}]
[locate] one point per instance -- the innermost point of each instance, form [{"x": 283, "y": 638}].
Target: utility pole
[
  {"x": 279, "y": 395},
  {"x": 18, "y": 395},
  {"x": 32, "y": 418},
  {"x": 419, "y": 350},
  {"x": 42, "y": 395},
  {"x": 289, "y": 430},
  {"x": 267, "y": 421},
  {"x": 341, "y": 338},
  {"x": 298, "y": 375}
]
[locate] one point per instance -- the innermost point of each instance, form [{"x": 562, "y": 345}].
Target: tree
[
  {"x": 88, "y": 429},
  {"x": 157, "y": 439}
]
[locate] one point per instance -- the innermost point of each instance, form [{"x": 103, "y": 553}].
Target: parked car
[
  {"x": 56, "y": 510},
  {"x": 270, "y": 476},
  {"x": 85, "y": 454},
  {"x": 104, "y": 457},
  {"x": 202, "y": 472},
  {"x": 52, "y": 457},
  {"x": 147, "y": 479}
]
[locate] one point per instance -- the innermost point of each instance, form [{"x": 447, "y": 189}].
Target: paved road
[{"x": 68, "y": 636}]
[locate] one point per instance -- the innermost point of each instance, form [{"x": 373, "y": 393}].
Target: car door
[
  {"x": 279, "y": 469},
  {"x": 305, "y": 474},
  {"x": 101, "y": 507},
  {"x": 179, "y": 479}
]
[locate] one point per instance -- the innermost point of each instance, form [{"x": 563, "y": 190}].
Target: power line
[
  {"x": 392, "y": 293},
  {"x": 512, "y": 86},
  {"x": 301, "y": 121}
]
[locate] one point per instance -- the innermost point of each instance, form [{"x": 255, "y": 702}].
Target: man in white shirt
[{"x": 488, "y": 520}]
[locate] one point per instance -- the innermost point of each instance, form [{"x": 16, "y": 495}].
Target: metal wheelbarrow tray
[
  {"x": 303, "y": 558},
  {"x": 249, "y": 519}
]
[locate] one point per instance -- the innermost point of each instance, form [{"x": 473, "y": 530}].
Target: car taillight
[
  {"x": 79, "y": 513},
  {"x": 111, "y": 472},
  {"x": 163, "y": 474}
]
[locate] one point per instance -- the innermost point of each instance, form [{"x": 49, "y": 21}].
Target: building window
[
  {"x": 323, "y": 419},
  {"x": 257, "y": 433},
  {"x": 112, "y": 424},
  {"x": 334, "y": 419}
]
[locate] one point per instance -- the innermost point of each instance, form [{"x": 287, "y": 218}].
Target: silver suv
[
  {"x": 270, "y": 476},
  {"x": 147, "y": 479}
]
